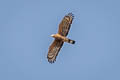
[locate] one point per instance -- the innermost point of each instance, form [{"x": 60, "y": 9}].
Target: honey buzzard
[{"x": 60, "y": 37}]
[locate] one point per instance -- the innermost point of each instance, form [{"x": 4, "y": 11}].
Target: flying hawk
[{"x": 60, "y": 37}]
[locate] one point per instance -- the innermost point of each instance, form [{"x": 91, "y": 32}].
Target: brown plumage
[{"x": 60, "y": 37}]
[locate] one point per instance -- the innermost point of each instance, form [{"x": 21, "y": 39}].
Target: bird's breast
[{"x": 60, "y": 37}]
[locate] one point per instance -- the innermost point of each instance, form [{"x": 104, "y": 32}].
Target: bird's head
[{"x": 53, "y": 35}]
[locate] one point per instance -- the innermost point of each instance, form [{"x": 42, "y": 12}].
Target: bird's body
[{"x": 60, "y": 38}]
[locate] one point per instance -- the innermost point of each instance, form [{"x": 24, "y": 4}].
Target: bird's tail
[{"x": 71, "y": 41}]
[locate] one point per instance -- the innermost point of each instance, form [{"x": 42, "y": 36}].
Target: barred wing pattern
[
  {"x": 53, "y": 50},
  {"x": 65, "y": 24}
]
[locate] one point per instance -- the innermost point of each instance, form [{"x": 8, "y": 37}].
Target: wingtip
[
  {"x": 51, "y": 60},
  {"x": 70, "y": 14}
]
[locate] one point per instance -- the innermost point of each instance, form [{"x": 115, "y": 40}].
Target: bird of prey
[{"x": 60, "y": 37}]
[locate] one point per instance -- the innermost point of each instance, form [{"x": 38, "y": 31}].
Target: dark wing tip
[
  {"x": 51, "y": 59},
  {"x": 70, "y": 15}
]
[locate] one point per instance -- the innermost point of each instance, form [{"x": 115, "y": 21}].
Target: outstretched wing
[
  {"x": 65, "y": 24},
  {"x": 53, "y": 50}
]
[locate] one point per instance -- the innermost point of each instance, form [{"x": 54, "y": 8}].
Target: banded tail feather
[{"x": 71, "y": 41}]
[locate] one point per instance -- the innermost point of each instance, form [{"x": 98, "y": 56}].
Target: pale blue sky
[{"x": 25, "y": 29}]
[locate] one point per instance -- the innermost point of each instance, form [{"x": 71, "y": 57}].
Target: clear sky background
[{"x": 25, "y": 29}]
